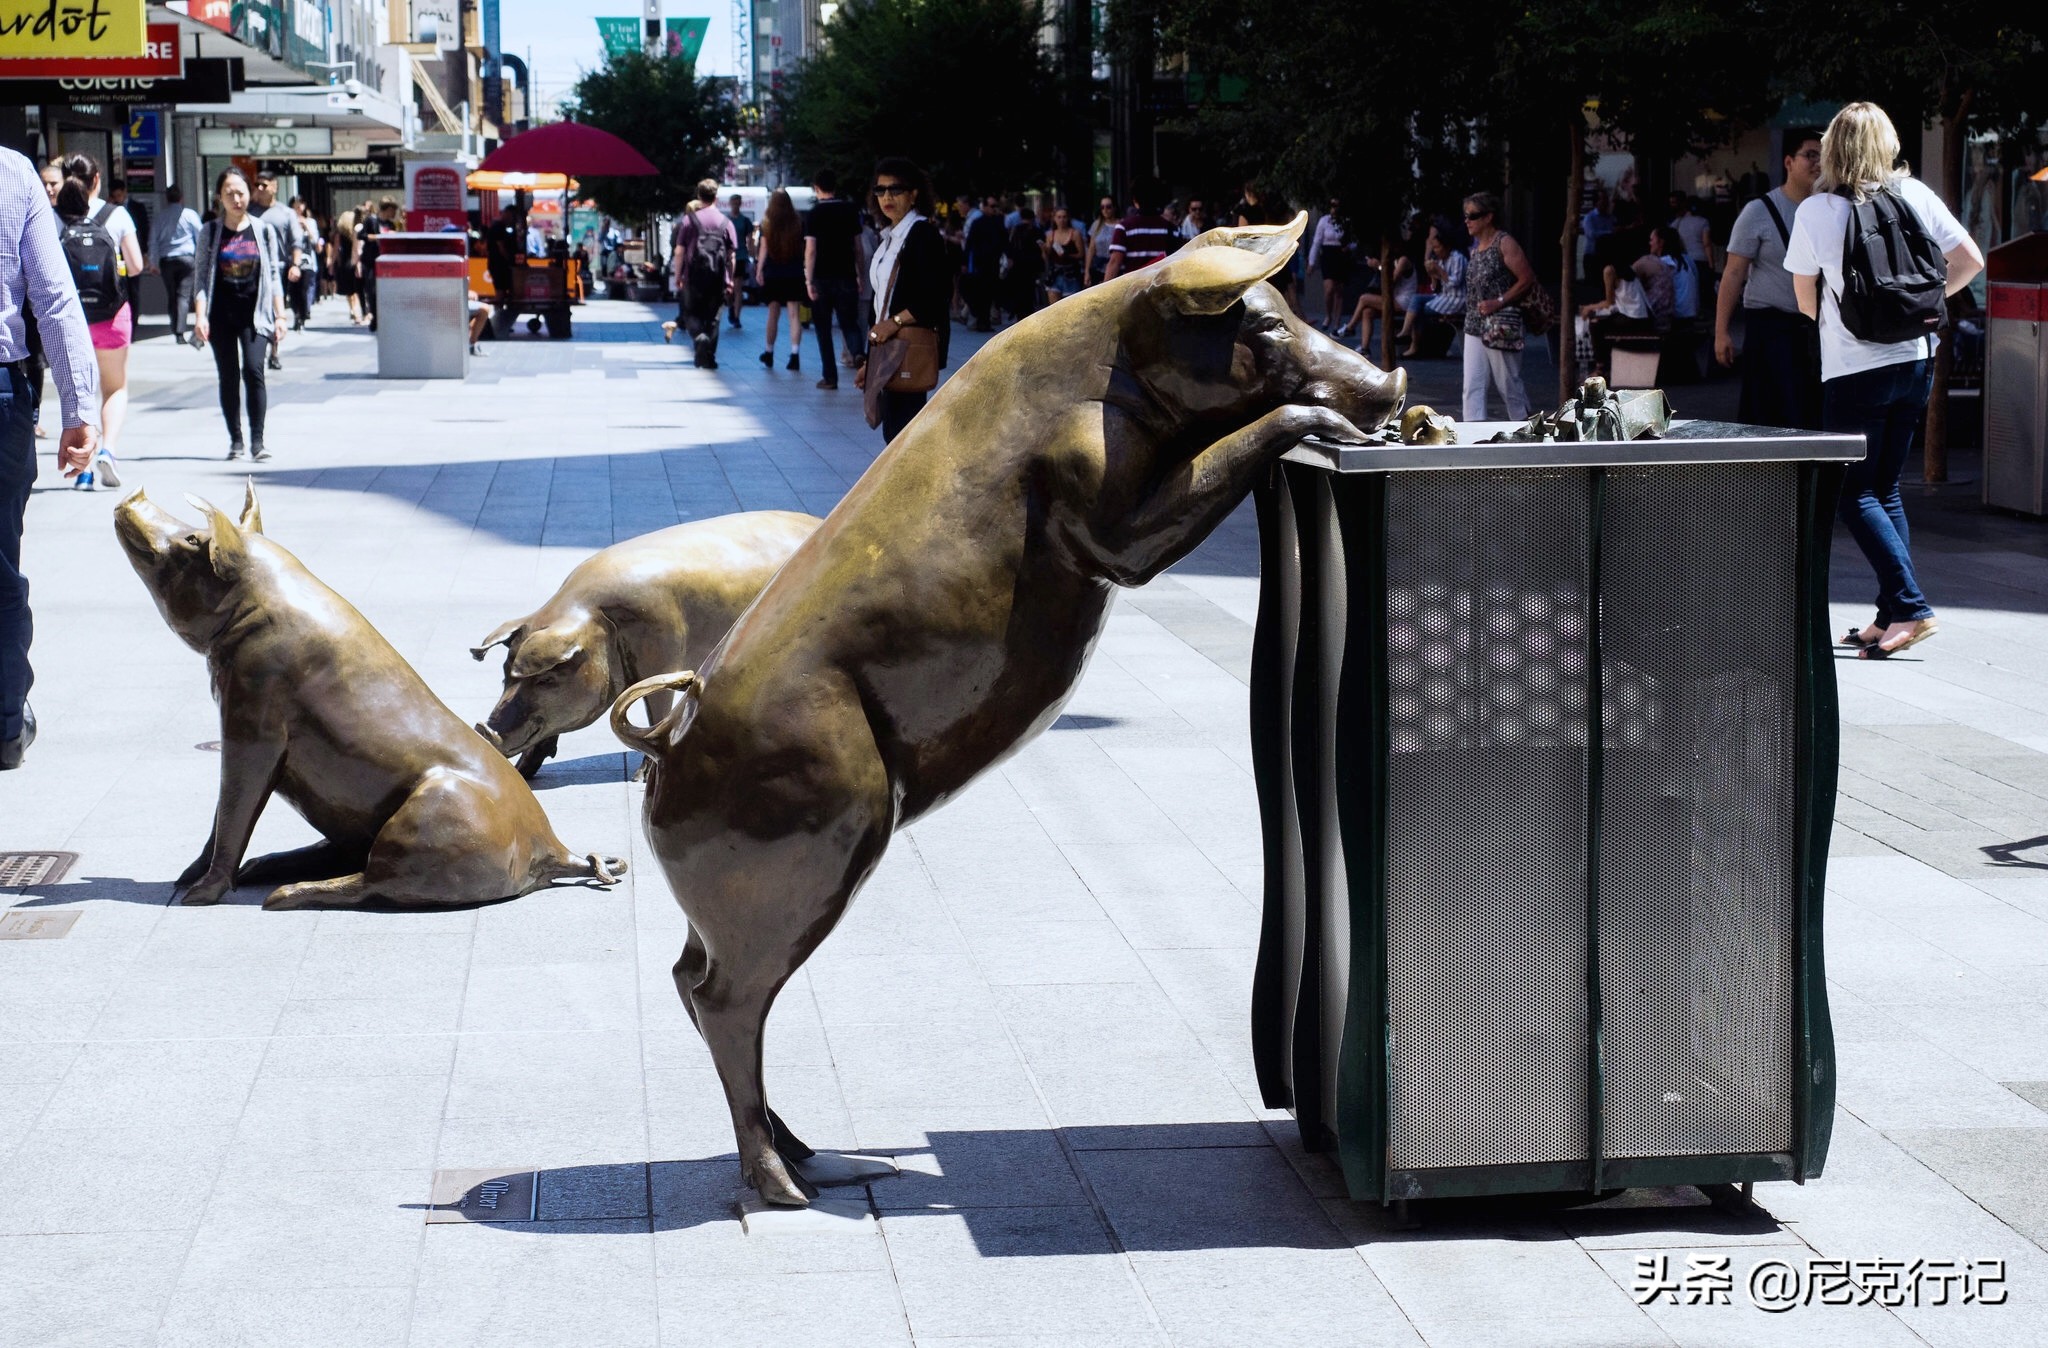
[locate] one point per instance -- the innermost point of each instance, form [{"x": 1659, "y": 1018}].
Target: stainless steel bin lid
[{"x": 1686, "y": 442}]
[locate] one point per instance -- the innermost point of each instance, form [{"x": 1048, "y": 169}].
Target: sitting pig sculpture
[
  {"x": 315, "y": 705},
  {"x": 645, "y": 606},
  {"x": 943, "y": 613}
]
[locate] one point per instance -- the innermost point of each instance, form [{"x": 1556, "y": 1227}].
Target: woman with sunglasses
[
  {"x": 1497, "y": 276},
  {"x": 911, "y": 282}
]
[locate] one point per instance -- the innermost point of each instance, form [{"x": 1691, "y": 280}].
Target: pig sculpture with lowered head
[
  {"x": 649, "y": 605},
  {"x": 943, "y": 613},
  {"x": 315, "y": 705}
]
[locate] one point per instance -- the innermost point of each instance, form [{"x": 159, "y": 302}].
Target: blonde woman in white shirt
[{"x": 1879, "y": 389}]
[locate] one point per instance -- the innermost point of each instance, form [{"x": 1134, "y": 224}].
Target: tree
[
  {"x": 656, "y": 104},
  {"x": 1968, "y": 64},
  {"x": 962, "y": 87}
]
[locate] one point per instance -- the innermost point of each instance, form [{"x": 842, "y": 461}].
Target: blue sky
[{"x": 562, "y": 35}]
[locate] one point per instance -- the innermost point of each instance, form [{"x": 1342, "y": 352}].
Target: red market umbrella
[{"x": 569, "y": 147}]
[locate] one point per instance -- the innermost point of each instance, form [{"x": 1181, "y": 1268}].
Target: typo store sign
[
  {"x": 77, "y": 28},
  {"x": 267, "y": 142}
]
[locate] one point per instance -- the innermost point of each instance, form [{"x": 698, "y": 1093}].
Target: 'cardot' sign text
[{"x": 86, "y": 28}]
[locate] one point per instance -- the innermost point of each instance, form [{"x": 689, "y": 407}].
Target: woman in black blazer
[{"x": 914, "y": 250}]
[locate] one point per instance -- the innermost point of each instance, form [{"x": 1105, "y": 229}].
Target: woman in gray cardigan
[{"x": 238, "y": 305}]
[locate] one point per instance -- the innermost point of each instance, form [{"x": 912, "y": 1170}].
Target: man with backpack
[
  {"x": 1874, "y": 257},
  {"x": 34, "y": 281},
  {"x": 1780, "y": 345},
  {"x": 705, "y": 253}
]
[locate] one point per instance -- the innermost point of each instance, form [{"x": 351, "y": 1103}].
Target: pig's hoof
[
  {"x": 773, "y": 1181},
  {"x": 203, "y": 896}
]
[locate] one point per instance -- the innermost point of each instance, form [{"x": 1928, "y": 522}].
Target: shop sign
[
  {"x": 213, "y": 80},
  {"x": 143, "y": 137},
  {"x": 73, "y": 28},
  {"x": 214, "y": 13},
  {"x": 159, "y": 60},
  {"x": 438, "y": 22},
  {"x": 367, "y": 172},
  {"x": 265, "y": 142}
]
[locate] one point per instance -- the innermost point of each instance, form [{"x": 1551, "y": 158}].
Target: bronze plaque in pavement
[
  {"x": 483, "y": 1196},
  {"x": 18, "y": 870},
  {"x": 36, "y": 924}
]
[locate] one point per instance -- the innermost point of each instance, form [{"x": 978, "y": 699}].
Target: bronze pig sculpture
[
  {"x": 645, "y": 606},
  {"x": 315, "y": 705},
  {"x": 944, "y": 611}
]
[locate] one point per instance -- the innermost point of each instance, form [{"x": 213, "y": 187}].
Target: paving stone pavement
[{"x": 220, "y": 1126}]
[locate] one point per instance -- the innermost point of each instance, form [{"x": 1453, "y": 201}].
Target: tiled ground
[{"x": 219, "y": 1126}]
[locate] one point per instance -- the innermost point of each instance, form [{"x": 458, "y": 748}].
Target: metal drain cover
[
  {"x": 28, "y": 924},
  {"x": 18, "y": 870}
]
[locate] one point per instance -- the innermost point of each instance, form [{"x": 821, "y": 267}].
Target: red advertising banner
[
  {"x": 435, "y": 198},
  {"x": 159, "y": 62},
  {"x": 219, "y": 13}
]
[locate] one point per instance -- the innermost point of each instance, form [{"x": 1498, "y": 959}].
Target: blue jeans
[
  {"x": 1886, "y": 406},
  {"x": 17, "y": 475}
]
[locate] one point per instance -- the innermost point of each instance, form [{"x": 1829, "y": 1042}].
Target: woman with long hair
[
  {"x": 1875, "y": 382},
  {"x": 80, "y": 207},
  {"x": 1065, "y": 249},
  {"x": 238, "y": 306},
  {"x": 782, "y": 274}
]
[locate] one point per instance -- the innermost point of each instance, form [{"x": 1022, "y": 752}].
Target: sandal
[
  {"x": 1922, "y": 630},
  {"x": 1853, "y": 638}
]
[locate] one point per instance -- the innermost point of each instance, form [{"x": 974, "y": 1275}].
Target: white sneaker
[{"x": 105, "y": 470}]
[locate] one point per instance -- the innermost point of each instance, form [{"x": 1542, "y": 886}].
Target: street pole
[{"x": 656, "y": 39}]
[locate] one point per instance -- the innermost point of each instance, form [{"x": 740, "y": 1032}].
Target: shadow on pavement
[{"x": 1174, "y": 1187}]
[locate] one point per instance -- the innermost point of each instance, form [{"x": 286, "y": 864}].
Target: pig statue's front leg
[
  {"x": 1193, "y": 500},
  {"x": 248, "y": 773}
]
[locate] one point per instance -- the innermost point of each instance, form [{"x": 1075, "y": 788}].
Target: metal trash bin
[
  {"x": 2016, "y": 376},
  {"x": 423, "y": 306},
  {"x": 1502, "y": 952}
]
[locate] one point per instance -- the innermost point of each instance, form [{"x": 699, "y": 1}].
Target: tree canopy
[
  {"x": 656, "y": 104},
  {"x": 963, "y": 87}
]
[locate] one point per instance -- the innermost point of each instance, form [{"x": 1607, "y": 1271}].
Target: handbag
[
  {"x": 901, "y": 358},
  {"x": 1542, "y": 310},
  {"x": 1501, "y": 330}
]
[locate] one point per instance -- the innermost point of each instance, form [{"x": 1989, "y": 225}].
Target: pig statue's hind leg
[
  {"x": 757, "y": 912},
  {"x": 448, "y": 844}
]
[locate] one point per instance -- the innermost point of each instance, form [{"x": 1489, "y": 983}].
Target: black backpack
[
  {"x": 706, "y": 279},
  {"x": 95, "y": 265},
  {"x": 1894, "y": 279}
]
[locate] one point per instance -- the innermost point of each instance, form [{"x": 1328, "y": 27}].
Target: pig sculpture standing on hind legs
[{"x": 944, "y": 612}]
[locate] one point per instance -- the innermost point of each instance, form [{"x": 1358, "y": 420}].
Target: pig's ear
[
  {"x": 1209, "y": 277},
  {"x": 252, "y": 513},
  {"x": 544, "y": 651},
  {"x": 227, "y": 549},
  {"x": 504, "y": 632}
]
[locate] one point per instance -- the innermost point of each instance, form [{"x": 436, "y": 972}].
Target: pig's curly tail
[{"x": 654, "y": 737}]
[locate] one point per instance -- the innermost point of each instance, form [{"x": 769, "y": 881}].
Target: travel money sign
[{"x": 87, "y": 29}]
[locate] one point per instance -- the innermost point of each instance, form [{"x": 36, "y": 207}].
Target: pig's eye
[
  {"x": 194, "y": 541},
  {"x": 1269, "y": 324}
]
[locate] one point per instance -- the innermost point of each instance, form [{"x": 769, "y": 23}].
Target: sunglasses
[
  {"x": 1477, "y": 215},
  {"x": 894, "y": 189}
]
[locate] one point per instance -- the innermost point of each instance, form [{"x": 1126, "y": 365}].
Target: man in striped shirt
[
  {"x": 34, "y": 278},
  {"x": 1144, "y": 236}
]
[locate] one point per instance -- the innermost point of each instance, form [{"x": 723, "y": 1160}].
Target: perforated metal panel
[
  {"x": 1486, "y": 881},
  {"x": 1699, "y": 851}
]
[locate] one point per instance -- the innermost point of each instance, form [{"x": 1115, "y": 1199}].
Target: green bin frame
[{"x": 1500, "y": 952}]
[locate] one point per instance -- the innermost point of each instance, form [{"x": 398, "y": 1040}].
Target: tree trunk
[
  {"x": 1386, "y": 302},
  {"x": 1564, "y": 337},
  {"x": 1934, "y": 433}
]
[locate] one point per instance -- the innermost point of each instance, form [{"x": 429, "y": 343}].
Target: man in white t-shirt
[
  {"x": 1693, "y": 229},
  {"x": 1780, "y": 345},
  {"x": 1876, "y": 389}
]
